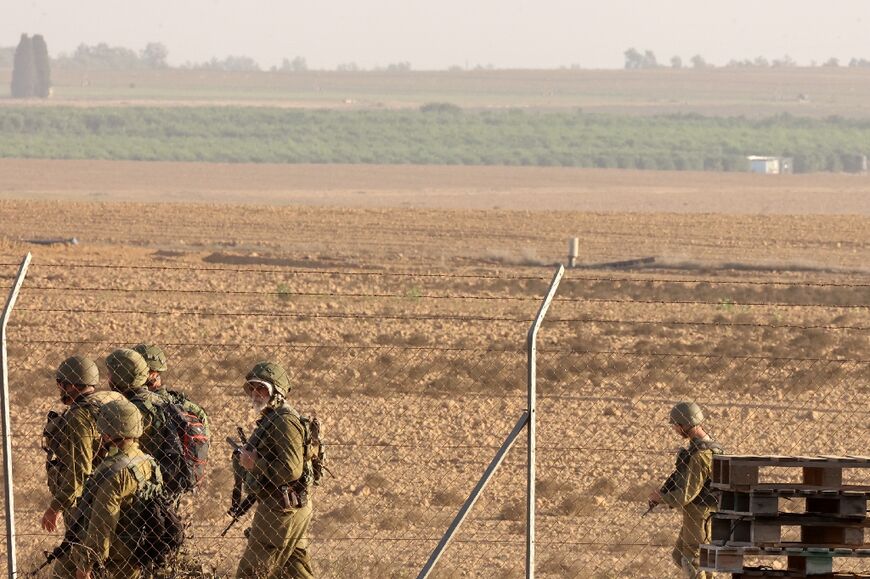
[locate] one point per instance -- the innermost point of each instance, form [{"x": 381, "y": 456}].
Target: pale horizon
[{"x": 503, "y": 34}]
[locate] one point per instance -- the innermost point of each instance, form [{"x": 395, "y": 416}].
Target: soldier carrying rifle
[
  {"x": 275, "y": 465},
  {"x": 688, "y": 487}
]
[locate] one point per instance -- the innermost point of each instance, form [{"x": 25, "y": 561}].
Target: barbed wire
[
  {"x": 572, "y": 279},
  {"x": 414, "y": 295},
  {"x": 430, "y": 317}
]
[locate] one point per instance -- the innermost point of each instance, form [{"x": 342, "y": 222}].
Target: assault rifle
[
  {"x": 318, "y": 461},
  {"x": 669, "y": 485},
  {"x": 238, "y": 507},
  {"x": 71, "y": 536}
]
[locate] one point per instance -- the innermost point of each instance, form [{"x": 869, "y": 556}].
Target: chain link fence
[{"x": 417, "y": 379}]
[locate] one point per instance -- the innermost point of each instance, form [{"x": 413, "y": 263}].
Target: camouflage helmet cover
[
  {"x": 127, "y": 369},
  {"x": 78, "y": 370},
  {"x": 272, "y": 373},
  {"x": 120, "y": 419},
  {"x": 153, "y": 355},
  {"x": 686, "y": 414}
]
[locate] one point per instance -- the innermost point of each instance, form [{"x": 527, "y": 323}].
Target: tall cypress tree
[
  {"x": 23, "y": 71},
  {"x": 42, "y": 67}
]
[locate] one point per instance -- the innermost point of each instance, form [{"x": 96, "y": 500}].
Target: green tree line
[{"x": 435, "y": 134}]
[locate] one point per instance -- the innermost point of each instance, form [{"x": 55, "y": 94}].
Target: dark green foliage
[
  {"x": 441, "y": 135},
  {"x": 42, "y": 67},
  {"x": 24, "y": 70}
]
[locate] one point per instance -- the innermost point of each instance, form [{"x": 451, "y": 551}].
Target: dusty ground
[{"x": 403, "y": 328}]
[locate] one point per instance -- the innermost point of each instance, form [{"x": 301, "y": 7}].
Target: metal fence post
[
  {"x": 530, "y": 483},
  {"x": 7, "y": 424}
]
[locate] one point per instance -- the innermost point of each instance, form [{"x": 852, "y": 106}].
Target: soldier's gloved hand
[
  {"x": 83, "y": 574},
  {"x": 50, "y": 519},
  {"x": 654, "y": 499},
  {"x": 247, "y": 458}
]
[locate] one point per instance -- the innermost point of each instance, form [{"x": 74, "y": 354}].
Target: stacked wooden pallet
[{"x": 827, "y": 517}]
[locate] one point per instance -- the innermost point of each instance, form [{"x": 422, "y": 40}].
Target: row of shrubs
[{"x": 435, "y": 134}]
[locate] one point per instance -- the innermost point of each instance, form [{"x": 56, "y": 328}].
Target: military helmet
[
  {"x": 686, "y": 414},
  {"x": 153, "y": 355},
  {"x": 78, "y": 370},
  {"x": 271, "y": 373},
  {"x": 128, "y": 369},
  {"x": 119, "y": 419}
]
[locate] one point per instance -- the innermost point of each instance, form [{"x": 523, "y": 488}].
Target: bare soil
[{"x": 403, "y": 327}]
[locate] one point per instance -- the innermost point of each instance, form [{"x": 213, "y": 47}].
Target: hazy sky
[{"x": 440, "y": 33}]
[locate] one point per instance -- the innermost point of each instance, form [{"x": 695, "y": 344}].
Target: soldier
[
  {"x": 109, "y": 536},
  {"x": 277, "y": 470},
  {"x": 688, "y": 488},
  {"x": 72, "y": 443},
  {"x": 128, "y": 373},
  {"x": 156, "y": 360}
]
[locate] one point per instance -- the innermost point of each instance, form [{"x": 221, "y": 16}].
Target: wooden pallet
[
  {"x": 835, "y": 504},
  {"x": 786, "y": 573},
  {"x": 809, "y": 561},
  {"x": 815, "y": 531},
  {"x": 741, "y": 472}
]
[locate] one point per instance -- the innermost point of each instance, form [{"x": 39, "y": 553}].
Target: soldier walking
[
  {"x": 128, "y": 374},
  {"x": 278, "y": 471},
  {"x": 688, "y": 488},
  {"x": 110, "y": 534},
  {"x": 72, "y": 443},
  {"x": 157, "y": 364}
]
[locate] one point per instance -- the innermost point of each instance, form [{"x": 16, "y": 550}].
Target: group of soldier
[
  {"x": 101, "y": 451},
  {"x": 104, "y": 444}
]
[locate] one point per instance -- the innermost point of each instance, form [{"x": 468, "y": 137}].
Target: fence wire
[{"x": 417, "y": 386}]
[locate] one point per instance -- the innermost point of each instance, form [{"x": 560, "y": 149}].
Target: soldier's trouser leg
[
  {"x": 122, "y": 570},
  {"x": 695, "y": 531},
  {"x": 274, "y": 540},
  {"x": 63, "y": 568}
]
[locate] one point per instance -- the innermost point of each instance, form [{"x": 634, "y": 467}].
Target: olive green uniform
[
  {"x": 72, "y": 444},
  {"x": 690, "y": 493},
  {"x": 114, "y": 492},
  {"x": 278, "y": 540}
]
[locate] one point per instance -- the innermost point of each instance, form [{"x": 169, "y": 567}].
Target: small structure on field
[{"x": 770, "y": 165}]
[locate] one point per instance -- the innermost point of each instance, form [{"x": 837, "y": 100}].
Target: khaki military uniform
[
  {"x": 72, "y": 444},
  {"x": 690, "y": 493},
  {"x": 278, "y": 541},
  {"x": 113, "y": 492}
]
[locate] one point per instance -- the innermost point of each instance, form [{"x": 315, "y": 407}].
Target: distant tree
[
  {"x": 859, "y": 62},
  {"x": 784, "y": 62},
  {"x": 347, "y": 67},
  {"x": 760, "y": 62},
  {"x": 633, "y": 59},
  {"x": 230, "y": 63},
  {"x": 832, "y": 62},
  {"x": 41, "y": 68},
  {"x": 699, "y": 62},
  {"x": 649, "y": 59},
  {"x": 399, "y": 67},
  {"x": 24, "y": 70},
  {"x": 154, "y": 55},
  {"x": 298, "y": 64},
  {"x": 676, "y": 62}
]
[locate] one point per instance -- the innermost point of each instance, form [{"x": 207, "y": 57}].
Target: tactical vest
[
  {"x": 55, "y": 427},
  {"x": 707, "y": 497},
  {"x": 306, "y": 479}
]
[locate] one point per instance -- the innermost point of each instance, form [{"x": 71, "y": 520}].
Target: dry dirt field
[{"x": 399, "y": 299}]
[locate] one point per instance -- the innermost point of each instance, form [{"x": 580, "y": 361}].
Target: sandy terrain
[{"x": 403, "y": 328}]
